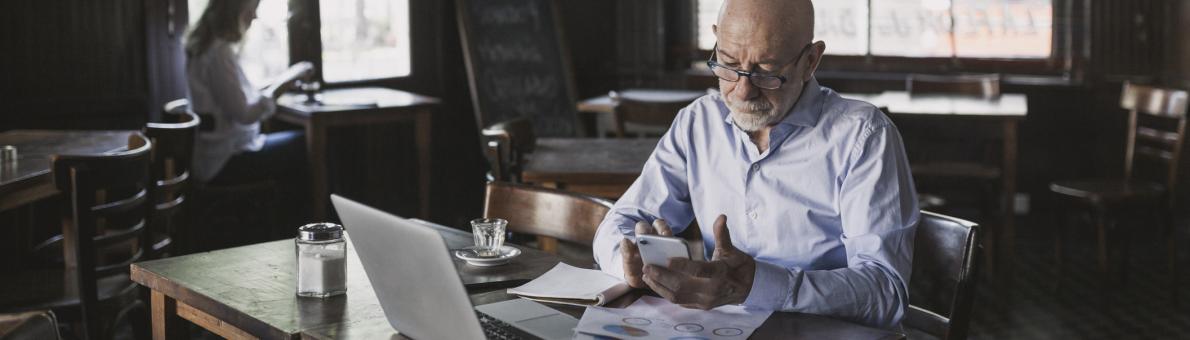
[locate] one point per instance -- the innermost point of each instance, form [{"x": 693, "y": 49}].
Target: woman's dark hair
[{"x": 220, "y": 20}]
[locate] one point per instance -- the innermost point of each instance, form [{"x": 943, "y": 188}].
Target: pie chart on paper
[{"x": 625, "y": 330}]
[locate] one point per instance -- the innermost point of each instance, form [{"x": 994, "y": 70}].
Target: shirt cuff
[{"x": 772, "y": 287}]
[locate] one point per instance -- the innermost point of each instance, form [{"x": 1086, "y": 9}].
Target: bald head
[{"x": 788, "y": 23}]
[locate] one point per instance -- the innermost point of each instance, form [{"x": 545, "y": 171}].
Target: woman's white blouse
[{"x": 219, "y": 89}]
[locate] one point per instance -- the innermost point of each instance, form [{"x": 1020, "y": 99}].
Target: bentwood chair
[
  {"x": 549, "y": 214},
  {"x": 1156, "y": 131},
  {"x": 506, "y": 146},
  {"x": 231, "y": 214},
  {"x": 942, "y": 286},
  {"x": 35, "y": 325},
  {"x": 636, "y": 114},
  {"x": 961, "y": 170},
  {"x": 106, "y": 208},
  {"x": 173, "y": 148}
]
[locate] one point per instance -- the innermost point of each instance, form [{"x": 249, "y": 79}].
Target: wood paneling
[{"x": 73, "y": 58}]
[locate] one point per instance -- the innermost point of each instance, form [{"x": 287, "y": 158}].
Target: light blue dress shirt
[{"x": 828, "y": 212}]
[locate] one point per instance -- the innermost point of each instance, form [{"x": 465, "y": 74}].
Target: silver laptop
[{"x": 411, "y": 271}]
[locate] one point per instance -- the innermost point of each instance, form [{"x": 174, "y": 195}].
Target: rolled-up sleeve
[
  {"x": 879, "y": 215},
  {"x": 660, "y": 192}
]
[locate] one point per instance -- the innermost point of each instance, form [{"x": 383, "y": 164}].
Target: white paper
[
  {"x": 574, "y": 286},
  {"x": 656, "y": 318}
]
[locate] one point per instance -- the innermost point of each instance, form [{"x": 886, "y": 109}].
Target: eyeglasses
[{"x": 764, "y": 81}]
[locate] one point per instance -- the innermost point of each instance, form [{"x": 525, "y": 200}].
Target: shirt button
[
  {"x": 753, "y": 215},
  {"x": 755, "y": 167}
]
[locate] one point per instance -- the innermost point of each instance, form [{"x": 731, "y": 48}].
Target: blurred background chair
[
  {"x": 173, "y": 149},
  {"x": 103, "y": 231},
  {"x": 36, "y": 325},
  {"x": 942, "y": 287},
  {"x": 549, "y": 214},
  {"x": 644, "y": 117},
  {"x": 506, "y": 146},
  {"x": 1155, "y": 134},
  {"x": 226, "y": 215}
]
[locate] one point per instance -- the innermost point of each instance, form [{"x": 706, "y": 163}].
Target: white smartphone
[{"x": 657, "y": 250}]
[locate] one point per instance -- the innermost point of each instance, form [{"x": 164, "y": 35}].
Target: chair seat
[
  {"x": 48, "y": 289},
  {"x": 955, "y": 169},
  {"x": 1102, "y": 192}
]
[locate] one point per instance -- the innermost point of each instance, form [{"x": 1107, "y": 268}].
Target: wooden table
[
  {"x": 30, "y": 178},
  {"x": 604, "y": 106},
  {"x": 1007, "y": 111},
  {"x": 598, "y": 167},
  {"x": 249, "y": 292},
  {"x": 358, "y": 107}
]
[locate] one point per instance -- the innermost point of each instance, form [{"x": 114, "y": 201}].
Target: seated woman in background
[{"x": 235, "y": 151}]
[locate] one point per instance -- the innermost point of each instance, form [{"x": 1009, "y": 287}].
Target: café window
[
  {"x": 361, "y": 39},
  {"x": 987, "y": 29}
]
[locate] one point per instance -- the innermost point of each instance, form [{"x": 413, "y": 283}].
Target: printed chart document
[
  {"x": 655, "y": 318},
  {"x": 566, "y": 284}
]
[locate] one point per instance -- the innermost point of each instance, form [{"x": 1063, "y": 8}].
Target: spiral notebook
[{"x": 569, "y": 285}]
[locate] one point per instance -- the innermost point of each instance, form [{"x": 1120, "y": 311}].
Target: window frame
[
  {"x": 305, "y": 44},
  {"x": 1060, "y": 63}
]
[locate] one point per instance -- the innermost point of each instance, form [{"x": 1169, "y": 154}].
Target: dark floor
[{"x": 1141, "y": 308}]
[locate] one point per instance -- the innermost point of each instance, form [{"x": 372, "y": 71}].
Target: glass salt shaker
[{"x": 322, "y": 260}]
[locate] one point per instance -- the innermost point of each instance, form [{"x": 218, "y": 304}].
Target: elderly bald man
[{"x": 816, "y": 188}]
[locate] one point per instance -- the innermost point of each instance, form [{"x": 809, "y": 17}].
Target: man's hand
[
  {"x": 631, "y": 255},
  {"x": 727, "y": 279}
]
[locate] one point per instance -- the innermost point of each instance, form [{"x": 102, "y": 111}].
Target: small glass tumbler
[
  {"x": 489, "y": 235},
  {"x": 322, "y": 260}
]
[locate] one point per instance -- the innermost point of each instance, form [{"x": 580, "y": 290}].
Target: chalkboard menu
[{"x": 516, "y": 65}]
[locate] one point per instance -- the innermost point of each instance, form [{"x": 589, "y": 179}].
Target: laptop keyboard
[{"x": 495, "y": 329}]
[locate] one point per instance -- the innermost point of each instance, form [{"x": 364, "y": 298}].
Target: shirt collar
[{"x": 805, "y": 112}]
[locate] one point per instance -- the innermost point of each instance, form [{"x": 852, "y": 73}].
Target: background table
[
  {"x": 598, "y": 167},
  {"x": 249, "y": 292},
  {"x": 358, "y": 107},
  {"x": 604, "y": 106},
  {"x": 30, "y": 178}
]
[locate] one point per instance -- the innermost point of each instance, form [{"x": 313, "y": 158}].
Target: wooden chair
[
  {"x": 1156, "y": 131},
  {"x": 231, "y": 215},
  {"x": 107, "y": 204},
  {"x": 961, "y": 170},
  {"x": 942, "y": 286},
  {"x": 173, "y": 148},
  {"x": 29, "y": 326},
  {"x": 986, "y": 86},
  {"x": 506, "y": 146},
  {"x": 549, "y": 214},
  {"x": 634, "y": 113}
]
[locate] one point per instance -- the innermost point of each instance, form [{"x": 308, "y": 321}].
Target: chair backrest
[
  {"x": 942, "y": 285},
  {"x": 645, "y": 113},
  {"x": 107, "y": 204},
  {"x": 986, "y": 86},
  {"x": 1156, "y": 130},
  {"x": 173, "y": 148},
  {"x": 546, "y": 212},
  {"x": 506, "y": 144}
]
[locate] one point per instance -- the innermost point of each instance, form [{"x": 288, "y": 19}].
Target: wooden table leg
[
  {"x": 316, "y": 153},
  {"x": 166, "y": 323},
  {"x": 1008, "y": 199},
  {"x": 424, "y": 128}
]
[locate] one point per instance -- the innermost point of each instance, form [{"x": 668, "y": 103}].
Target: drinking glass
[{"x": 489, "y": 235}]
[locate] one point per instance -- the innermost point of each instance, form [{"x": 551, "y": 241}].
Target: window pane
[
  {"x": 264, "y": 53},
  {"x": 708, "y": 14},
  {"x": 911, "y": 28},
  {"x": 364, "y": 39},
  {"x": 843, "y": 25},
  {"x": 1003, "y": 28}
]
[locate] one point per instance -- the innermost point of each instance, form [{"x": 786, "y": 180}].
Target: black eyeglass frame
[{"x": 752, "y": 76}]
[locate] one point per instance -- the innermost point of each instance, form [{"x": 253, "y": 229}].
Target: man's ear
[{"x": 815, "y": 58}]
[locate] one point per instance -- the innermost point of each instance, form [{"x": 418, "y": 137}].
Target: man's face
[{"x": 753, "y": 108}]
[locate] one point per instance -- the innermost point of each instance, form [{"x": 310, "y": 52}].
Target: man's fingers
[
  {"x": 643, "y": 228},
  {"x": 722, "y": 237},
  {"x": 662, "y": 227},
  {"x": 691, "y": 267},
  {"x": 632, "y": 264}
]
